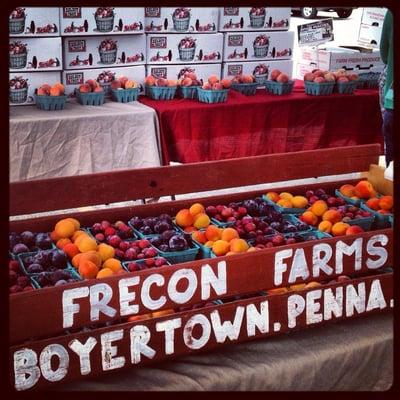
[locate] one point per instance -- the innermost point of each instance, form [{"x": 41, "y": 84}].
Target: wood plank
[
  {"x": 195, "y": 331},
  {"x": 244, "y": 273},
  {"x": 103, "y": 188}
]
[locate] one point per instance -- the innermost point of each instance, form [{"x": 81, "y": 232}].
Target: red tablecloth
[{"x": 262, "y": 124}]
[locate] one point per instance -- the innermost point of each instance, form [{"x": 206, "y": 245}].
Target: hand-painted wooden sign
[
  {"x": 88, "y": 354},
  {"x": 92, "y": 301}
]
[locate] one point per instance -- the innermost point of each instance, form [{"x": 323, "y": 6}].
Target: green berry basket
[
  {"x": 188, "y": 92},
  {"x": 283, "y": 210},
  {"x": 345, "y": 87},
  {"x": 380, "y": 221},
  {"x": 212, "y": 96},
  {"x": 141, "y": 235},
  {"x": 50, "y": 103},
  {"x": 176, "y": 257},
  {"x": 141, "y": 262},
  {"x": 318, "y": 89},
  {"x": 348, "y": 200},
  {"x": 90, "y": 99},
  {"x": 125, "y": 95},
  {"x": 205, "y": 252},
  {"x": 248, "y": 89},
  {"x": 160, "y": 92},
  {"x": 306, "y": 235},
  {"x": 278, "y": 87},
  {"x": 71, "y": 271},
  {"x": 181, "y": 24}
]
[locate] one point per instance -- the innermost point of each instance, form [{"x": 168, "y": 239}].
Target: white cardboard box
[
  {"x": 81, "y": 21},
  {"x": 34, "y": 22},
  {"x": 373, "y": 16},
  {"x": 261, "y": 70},
  {"x": 175, "y": 20},
  {"x": 25, "y": 95},
  {"x": 72, "y": 79},
  {"x": 104, "y": 51},
  {"x": 242, "y": 46},
  {"x": 369, "y": 35},
  {"x": 166, "y": 49},
  {"x": 35, "y": 54},
  {"x": 202, "y": 71},
  {"x": 239, "y": 18}
]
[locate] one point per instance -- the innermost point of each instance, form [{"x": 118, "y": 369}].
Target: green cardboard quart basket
[
  {"x": 345, "y": 87},
  {"x": 90, "y": 99},
  {"x": 213, "y": 96},
  {"x": 161, "y": 92},
  {"x": 248, "y": 89},
  {"x": 318, "y": 89},
  {"x": 125, "y": 95},
  {"x": 50, "y": 103},
  {"x": 188, "y": 92},
  {"x": 279, "y": 88}
]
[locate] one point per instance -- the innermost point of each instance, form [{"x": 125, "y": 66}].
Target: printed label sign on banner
[{"x": 315, "y": 33}]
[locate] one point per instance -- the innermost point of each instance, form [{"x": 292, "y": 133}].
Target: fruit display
[
  {"x": 279, "y": 83},
  {"x": 44, "y": 261},
  {"x": 28, "y": 241},
  {"x": 151, "y": 262},
  {"x": 223, "y": 215},
  {"x": 160, "y": 88},
  {"x": 363, "y": 190},
  {"x": 245, "y": 84},
  {"x": 383, "y": 204},
  {"x": 251, "y": 227},
  {"x": 17, "y": 281},
  {"x": 104, "y": 231},
  {"x": 188, "y": 83},
  {"x": 171, "y": 241},
  {"x": 50, "y": 98},
  {"x": 124, "y": 90},
  {"x": 192, "y": 218},
  {"x": 214, "y": 90},
  {"x": 55, "y": 278},
  {"x": 149, "y": 226}
]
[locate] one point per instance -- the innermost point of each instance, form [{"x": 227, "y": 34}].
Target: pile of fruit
[
  {"x": 17, "y": 281},
  {"x": 172, "y": 241},
  {"x": 152, "y": 225},
  {"x": 28, "y": 241},
  {"x": 108, "y": 45},
  {"x": 46, "y": 90},
  {"x": 123, "y": 83},
  {"x": 188, "y": 78},
  {"x": 159, "y": 82},
  {"x": 90, "y": 86},
  {"x": 320, "y": 76},
  {"x": 214, "y": 83},
  {"x": 226, "y": 214},
  {"x": 243, "y": 79},
  {"x": 17, "y": 47},
  {"x": 278, "y": 76}
]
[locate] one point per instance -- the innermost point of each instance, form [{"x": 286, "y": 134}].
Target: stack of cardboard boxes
[
  {"x": 35, "y": 55},
  {"x": 371, "y": 26}
]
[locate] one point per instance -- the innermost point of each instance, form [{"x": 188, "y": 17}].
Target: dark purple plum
[
  {"x": 301, "y": 226},
  {"x": 165, "y": 217},
  {"x": 20, "y": 248},
  {"x": 269, "y": 231},
  {"x": 96, "y": 228},
  {"x": 252, "y": 207},
  {"x": 319, "y": 192},
  {"x": 28, "y": 238},
  {"x": 34, "y": 268},
  {"x": 150, "y": 221},
  {"x": 276, "y": 225},
  {"x": 156, "y": 241},
  {"x": 42, "y": 279},
  {"x": 161, "y": 227},
  {"x": 289, "y": 228},
  {"x": 146, "y": 230},
  {"x": 29, "y": 260},
  {"x": 136, "y": 222},
  {"x": 164, "y": 247},
  {"x": 43, "y": 258},
  {"x": 60, "y": 282},
  {"x": 166, "y": 235},
  {"x": 177, "y": 243},
  {"x": 13, "y": 239},
  {"x": 188, "y": 238},
  {"x": 59, "y": 259},
  {"x": 43, "y": 241}
]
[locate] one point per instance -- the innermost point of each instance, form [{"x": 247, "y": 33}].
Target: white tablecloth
[{"x": 82, "y": 140}]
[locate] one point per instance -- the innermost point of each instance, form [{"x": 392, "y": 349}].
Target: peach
[
  {"x": 309, "y": 218},
  {"x": 184, "y": 218},
  {"x": 85, "y": 88},
  {"x": 248, "y": 79},
  {"x": 363, "y": 190},
  {"x": 318, "y": 73},
  {"x": 299, "y": 201},
  {"x": 309, "y": 76},
  {"x": 354, "y": 229},
  {"x": 277, "y": 291},
  {"x": 199, "y": 236},
  {"x": 217, "y": 86},
  {"x": 98, "y": 89},
  {"x": 319, "y": 208},
  {"x": 186, "y": 82},
  {"x": 274, "y": 74},
  {"x": 116, "y": 84},
  {"x": 150, "y": 80},
  {"x": 373, "y": 204},
  {"x": 87, "y": 244},
  {"x": 123, "y": 80},
  {"x": 104, "y": 272},
  {"x": 386, "y": 203},
  {"x": 64, "y": 228},
  {"x": 285, "y": 203},
  {"x": 44, "y": 90},
  {"x": 220, "y": 247},
  {"x": 332, "y": 216},
  {"x": 339, "y": 228},
  {"x": 113, "y": 264},
  {"x": 298, "y": 286},
  {"x": 196, "y": 208},
  {"x": 319, "y": 79},
  {"x": 229, "y": 234},
  {"x": 55, "y": 91},
  {"x": 213, "y": 79},
  {"x": 106, "y": 251},
  {"x": 191, "y": 75},
  {"x": 342, "y": 79},
  {"x": 62, "y": 242},
  {"x": 201, "y": 220},
  {"x": 212, "y": 233},
  {"x": 75, "y": 222},
  {"x": 92, "y": 83},
  {"x": 161, "y": 82},
  {"x": 347, "y": 190},
  {"x": 92, "y": 256},
  {"x": 329, "y": 77},
  {"x": 171, "y": 82},
  {"x": 189, "y": 229},
  {"x": 273, "y": 196},
  {"x": 325, "y": 226},
  {"x": 130, "y": 84},
  {"x": 226, "y": 83},
  {"x": 238, "y": 245},
  {"x": 88, "y": 270},
  {"x": 282, "y": 78},
  {"x": 286, "y": 195}
]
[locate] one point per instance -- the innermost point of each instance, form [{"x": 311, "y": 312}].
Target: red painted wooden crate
[{"x": 45, "y": 324}]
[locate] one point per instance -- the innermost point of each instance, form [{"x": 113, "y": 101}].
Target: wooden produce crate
[{"x": 48, "y": 339}]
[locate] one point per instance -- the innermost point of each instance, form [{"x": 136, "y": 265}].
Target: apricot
[
  {"x": 44, "y": 90},
  {"x": 226, "y": 83},
  {"x": 347, "y": 190},
  {"x": 190, "y": 229},
  {"x": 77, "y": 234},
  {"x": 354, "y": 229},
  {"x": 88, "y": 269},
  {"x": 286, "y": 195},
  {"x": 220, "y": 247},
  {"x": 87, "y": 244},
  {"x": 229, "y": 234},
  {"x": 373, "y": 204},
  {"x": 238, "y": 245},
  {"x": 104, "y": 272},
  {"x": 273, "y": 196},
  {"x": 92, "y": 256},
  {"x": 309, "y": 218},
  {"x": 386, "y": 203},
  {"x": 184, "y": 218},
  {"x": 196, "y": 208},
  {"x": 209, "y": 243},
  {"x": 285, "y": 203},
  {"x": 76, "y": 260},
  {"x": 332, "y": 216},
  {"x": 80, "y": 237},
  {"x": 105, "y": 251},
  {"x": 62, "y": 242},
  {"x": 65, "y": 228},
  {"x": 201, "y": 220},
  {"x": 299, "y": 201},
  {"x": 364, "y": 190},
  {"x": 75, "y": 222},
  {"x": 299, "y": 286},
  {"x": 339, "y": 228},
  {"x": 212, "y": 233},
  {"x": 113, "y": 264},
  {"x": 199, "y": 236},
  {"x": 319, "y": 208},
  {"x": 71, "y": 250},
  {"x": 325, "y": 226}
]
